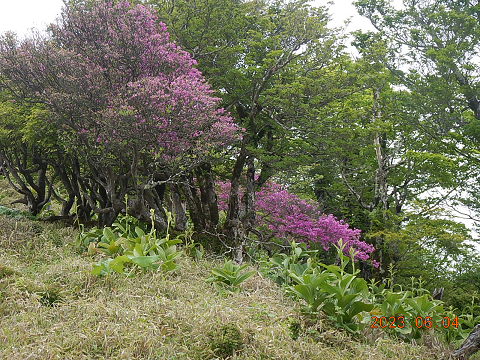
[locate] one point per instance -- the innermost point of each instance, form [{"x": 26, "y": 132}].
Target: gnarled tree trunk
[{"x": 469, "y": 347}]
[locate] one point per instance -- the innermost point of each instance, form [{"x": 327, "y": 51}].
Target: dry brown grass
[{"x": 51, "y": 307}]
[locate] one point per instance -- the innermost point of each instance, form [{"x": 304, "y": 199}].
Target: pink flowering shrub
[
  {"x": 282, "y": 214},
  {"x": 128, "y": 105},
  {"x": 116, "y": 82}
]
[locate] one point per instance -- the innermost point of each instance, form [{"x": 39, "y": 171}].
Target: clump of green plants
[
  {"x": 352, "y": 304},
  {"x": 127, "y": 245},
  {"x": 229, "y": 277},
  {"x": 463, "y": 323},
  {"x": 6, "y": 271},
  {"x": 340, "y": 295},
  {"x": 16, "y": 214},
  {"x": 297, "y": 262},
  {"x": 226, "y": 340},
  {"x": 409, "y": 313}
]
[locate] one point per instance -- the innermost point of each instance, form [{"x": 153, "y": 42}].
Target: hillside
[{"x": 52, "y": 307}]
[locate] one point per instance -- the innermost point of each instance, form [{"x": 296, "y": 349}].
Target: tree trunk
[
  {"x": 247, "y": 211},
  {"x": 19, "y": 176},
  {"x": 381, "y": 194},
  {"x": 469, "y": 347},
  {"x": 177, "y": 208},
  {"x": 140, "y": 206},
  {"x": 208, "y": 196},
  {"x": 193, "y": 203},
  {"x": 233, "y": 227}
]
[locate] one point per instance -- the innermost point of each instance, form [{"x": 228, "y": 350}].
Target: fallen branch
[{"x": 469, "y": 347}]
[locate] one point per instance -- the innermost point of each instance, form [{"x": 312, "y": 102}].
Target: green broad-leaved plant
[
  {"x": 135, "y": 247},
  {"x": 297, "y": 262},
  {"x": 342, "y": 296},
  {"x": 229, "y": 277}
]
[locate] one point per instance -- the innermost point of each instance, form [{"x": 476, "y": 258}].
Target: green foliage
[
  {"x": 131, "y": 245},
  {"x": 293, "y": 263},
  {"x": 467, "y": 320},
  {"x": 17, "y": 214},
  {"x": 411, "y": 313},
  {"x": 409, "y": 308},
  {"x": 108, "y": 265},
  {"x": 226, "y": 340},
  {"x": 229, "y": 277},
  {"x": 342, "y": 296},
  {"x": 352, "y": 304}
]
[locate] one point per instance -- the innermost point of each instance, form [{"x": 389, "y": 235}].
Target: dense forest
[{"x": 343, "y": 164}]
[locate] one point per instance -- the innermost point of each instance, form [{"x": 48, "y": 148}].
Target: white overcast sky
[{"x": 21, "y": 15}]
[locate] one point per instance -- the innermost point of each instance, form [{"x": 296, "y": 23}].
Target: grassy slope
[{"x": 52, "y": 308}]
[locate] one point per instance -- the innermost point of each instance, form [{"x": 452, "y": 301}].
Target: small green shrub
[
  {"x": 298, "y": 261},
  {"x": 340, "y": 295},
  {"x": 226, "y": 341},
  {"x": 409, "y": 313},
  {"x": 229, "y": 277},
  {"x": 350, "y": 303},
  {"x": 6, "y": 271},
  {"x": 132, "y": 246}
]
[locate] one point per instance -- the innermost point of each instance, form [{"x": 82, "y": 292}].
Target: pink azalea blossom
[{"x": 284, "y": 215}]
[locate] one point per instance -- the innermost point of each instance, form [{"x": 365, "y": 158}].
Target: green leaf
[
  {"x": 346, "y": 281},
  {"x": 333, "y": 269},
  {"x": 140, "y": 233},
  {"x": 359, "y": 306},
  {"x": 346, "y": 299},
  {"x": 305, "y": 292},
  {"x": 320, "y": 298},
  {"x": 277, "y": 260},
  {"x": 318, "y": 280},
  {"x": 118, "y": 263},
  {"x": 169, "y": 266},
  {"x": 330, "y": 289},
  {"x": 109, "y": 235},
  {"x": 352, "y": 327},
  {"x": 169, "y": 243},
  {"x": 241, "y": 278},
  {"x": 415, "y": 304},
  {"x": 223, "y": 275},
  {"x": 138, "y": 251},
  {"x": 98, "y": 269},
  {"x": 228, "y": 266},
  {"x": 144, "y": 261},
  {"x": 360, "y": 286},
  {"x": 298, "y": 269}
]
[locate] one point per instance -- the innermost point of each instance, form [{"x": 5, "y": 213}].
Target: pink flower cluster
[
  {"x": 282, "y": 214},
  {"x": 112, "y": 76}
]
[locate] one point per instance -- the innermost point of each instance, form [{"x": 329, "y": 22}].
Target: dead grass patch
[{"x": 52, "y": 307}]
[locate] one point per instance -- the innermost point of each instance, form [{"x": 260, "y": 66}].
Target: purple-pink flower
[
  {"x": 113, "y": 69},
  {"x": 282, "y": 214}
]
